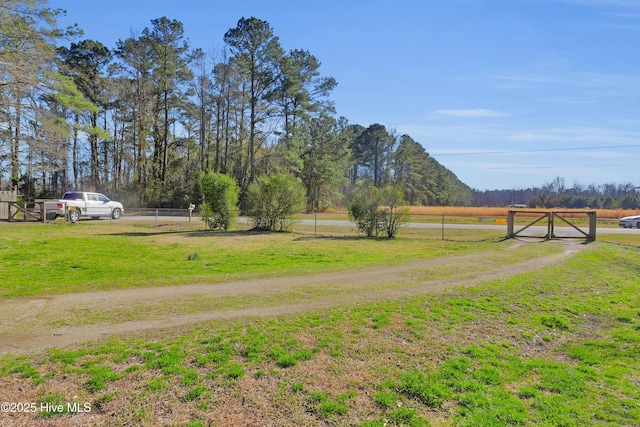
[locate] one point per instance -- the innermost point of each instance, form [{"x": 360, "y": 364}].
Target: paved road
[{"x": 532, "y": 231}]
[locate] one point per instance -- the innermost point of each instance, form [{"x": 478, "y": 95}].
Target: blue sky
[{"x": 505, "y": 93}]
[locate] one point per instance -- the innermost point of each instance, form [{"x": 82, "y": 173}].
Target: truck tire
[
  {"x": 74, "y": 216},
  {"x": 116, "y": 214},
  {"x": 51, "y": 216}
]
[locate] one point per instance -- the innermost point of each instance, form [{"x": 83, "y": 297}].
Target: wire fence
[
  {"x": 423, "y": 226},
  {"x": 442, "y": 227}
]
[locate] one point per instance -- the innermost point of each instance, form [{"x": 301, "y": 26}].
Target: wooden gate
[
  {"x": 7, "y": 196},
  {"x": 551, "y": 217}
]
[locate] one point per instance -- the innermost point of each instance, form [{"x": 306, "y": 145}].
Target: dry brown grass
[
  {"x": 457, "y": 211},
  {"x": 502, "y": 212}
]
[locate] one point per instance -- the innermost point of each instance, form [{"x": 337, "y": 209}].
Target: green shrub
[
  {"x": 272, "y": 201},
  {"x": 219, "y": 208},
  {"x": 378, "y": 211},
  {"x": 363, "y": 210}
]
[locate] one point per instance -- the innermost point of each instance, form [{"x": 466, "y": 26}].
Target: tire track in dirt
[{"x": 17, "y": 337}]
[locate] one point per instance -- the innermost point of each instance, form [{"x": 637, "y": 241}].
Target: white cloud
[{"x": 472, "y": 113}]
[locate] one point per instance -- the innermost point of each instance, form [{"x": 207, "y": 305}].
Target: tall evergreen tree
[
  {"x": 352, "y": 132},
  {"x": 300, "y": 93},
  {"x": 414, "y": 172},
  {"x": 256, "y": 111},
  {"x": 230, "y": 126},
  {"x": 325, "y": 162},
  {"x": 87, "y": 62},
  {"x": 171, "y": 58},
  {"x": 135, "y": 98},
  {"x": 201, "y": 109},
  {"x": 376, "y": 147},
  {"x": 257, "y": 52},
  {"x": 27, "y": 70}
]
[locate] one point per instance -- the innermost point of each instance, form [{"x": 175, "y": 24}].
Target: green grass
[
  {"x": 627, "y": 239},
  {"x": 61, "y": 258},
  {"x": 501, "y": 255},
  {"x": 556, "y": 347}
]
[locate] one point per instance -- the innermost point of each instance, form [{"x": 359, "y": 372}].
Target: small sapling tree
[{"x": 393, "y": 211}]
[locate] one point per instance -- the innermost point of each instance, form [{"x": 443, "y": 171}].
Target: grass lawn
[
  {"x": 61, "y": 258},
  {"x": 556, "y": 347}
]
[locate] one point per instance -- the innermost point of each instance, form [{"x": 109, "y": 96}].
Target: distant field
[
  {"x": 475, "y": 215},
  {"x": 478, "y": 212},
  {"x": 502, "y": 212}
]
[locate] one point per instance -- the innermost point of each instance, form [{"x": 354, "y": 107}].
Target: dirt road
[{"x": 21, "y": 332}]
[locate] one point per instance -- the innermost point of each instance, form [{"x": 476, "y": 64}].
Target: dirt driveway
[{"x": 21, "y": 332}]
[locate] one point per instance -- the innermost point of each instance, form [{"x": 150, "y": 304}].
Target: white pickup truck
[{"x": 82, "y": 203}]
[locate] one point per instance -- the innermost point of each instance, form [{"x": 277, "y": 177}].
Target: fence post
[
  {"x": 510, "y": 221},
  {"x": 442, "y": 227},
  {"x": 592, "y": 226}
]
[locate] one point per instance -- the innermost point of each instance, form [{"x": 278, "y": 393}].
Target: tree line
[
  {"x": 556, "y": 194},
  {"x": 143, "y": 119}
]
